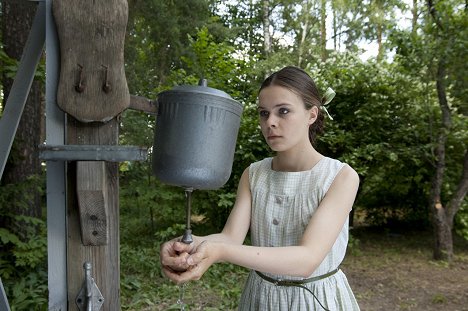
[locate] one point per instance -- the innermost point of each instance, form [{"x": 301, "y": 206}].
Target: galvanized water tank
[{"x": 195, "y": 136}]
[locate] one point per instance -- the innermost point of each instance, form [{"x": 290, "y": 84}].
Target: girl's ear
[{"x": 313, "y": 114}]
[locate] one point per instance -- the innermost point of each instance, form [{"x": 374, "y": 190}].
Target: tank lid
[{"x": 201, "y": 88}]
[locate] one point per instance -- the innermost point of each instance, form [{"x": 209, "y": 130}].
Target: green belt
[
  {"x": 299, "y": 283},
  {"x": 296, "y": 282}
]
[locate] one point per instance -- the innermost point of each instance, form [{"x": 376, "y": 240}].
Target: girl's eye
[
  {"x": 283, "y": 111},
  {"x": 263, "y": 113}
]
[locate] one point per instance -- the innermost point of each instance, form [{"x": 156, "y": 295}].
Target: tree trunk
[
  {"x": 379, "y": 42},
  {"x": 323, "y": 29},
  {"x": 23, "y": 163},
  {"x": 335, "y": 27},
  {"x": 414, "y": 20},
  {"x": 443, "y": 249},
  {"x": 443, "y": 216},
  {"x": 304, "y": 29},
  {"x": 266, "y": 27}
]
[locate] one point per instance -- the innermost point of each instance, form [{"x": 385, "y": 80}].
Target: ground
[
  {"x": 388, "y": 269},
  {"x": 395, "y": 271}
]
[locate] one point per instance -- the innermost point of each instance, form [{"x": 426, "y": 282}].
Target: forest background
[{"x": 399, "y": 118}]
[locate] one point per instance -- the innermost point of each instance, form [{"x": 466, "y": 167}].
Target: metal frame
[
  {"x": 18, "y": 96},
  {"x": 21, "y": 85},
  {"x": 56, "y": 175},
  {"x": 4, "y": 306}
]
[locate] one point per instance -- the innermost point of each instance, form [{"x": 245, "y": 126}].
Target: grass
[{"x": 143, "y": 286}]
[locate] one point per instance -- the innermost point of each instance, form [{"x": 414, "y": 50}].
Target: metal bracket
[
  {"x": 112, "y": 153},
  {"x": 90, "y": 297}
]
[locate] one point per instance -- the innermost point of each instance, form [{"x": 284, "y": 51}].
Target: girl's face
[{"x": 284, "y": 120}]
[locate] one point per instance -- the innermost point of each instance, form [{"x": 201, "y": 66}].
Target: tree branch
[{"x": 433, "y": 12}]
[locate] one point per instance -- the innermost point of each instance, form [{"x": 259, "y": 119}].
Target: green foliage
[
  {"x": 392, "y": 159},
  {"x": 23, "y": 251},
  {"x": 152, "y": 205},
  {"x": 157, "y": 38},
  {"x": 28, "y": 292},
  {"x": 353, "y": 244},
  {"x": 9, "y": 65}
]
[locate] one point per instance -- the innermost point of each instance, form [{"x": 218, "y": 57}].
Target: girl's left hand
[{"x": 173, "y": 257}]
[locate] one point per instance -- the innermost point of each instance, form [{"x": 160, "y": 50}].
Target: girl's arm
[{"x": 302, "y": 260}]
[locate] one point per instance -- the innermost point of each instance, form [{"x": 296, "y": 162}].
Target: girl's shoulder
[
  {"x": 331, "y": 164},
  {"x": 259, "y": 168},
  {"x": 265, "y": 163},
  {"x": 333, "y": 169},
  {"x": 335, "y": 165}
]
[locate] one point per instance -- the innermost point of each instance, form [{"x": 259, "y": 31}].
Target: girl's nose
[{"x": 272, "y": 121}]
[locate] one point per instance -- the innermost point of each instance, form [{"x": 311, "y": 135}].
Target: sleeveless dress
[{"x": 282, "y": 205}]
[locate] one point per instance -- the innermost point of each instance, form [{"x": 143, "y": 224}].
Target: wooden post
[
  {"x": 104, "y": 258},
  {"x": 93, "y": 91}
]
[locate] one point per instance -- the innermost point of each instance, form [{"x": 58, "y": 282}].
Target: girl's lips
[{"x": 273, "y": 137}]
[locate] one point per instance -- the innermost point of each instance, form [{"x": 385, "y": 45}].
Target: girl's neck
[{"x": 297, "y": 161}]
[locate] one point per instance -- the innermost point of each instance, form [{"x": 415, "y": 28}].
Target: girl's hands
[
  {"x": 173, "y": 257},
  {"x": 193, "y": 265}
]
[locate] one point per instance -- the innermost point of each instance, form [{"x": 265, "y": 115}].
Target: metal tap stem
[{"x": 187, "y": 238}]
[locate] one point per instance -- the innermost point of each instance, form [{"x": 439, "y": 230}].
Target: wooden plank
[
  {"x": 92, "y": 84},
  {"x": 144, "y": 104},
  {"x": 91, "y": 185},
  {"x": 104, "y": 258}
]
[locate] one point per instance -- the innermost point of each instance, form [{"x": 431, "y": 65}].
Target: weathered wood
[
  {"x": 92, "y": 84},
  {"x": 143, "y": 104},
  {"x": 91, "y": 185},
  {"x": 104, "y": 258}
]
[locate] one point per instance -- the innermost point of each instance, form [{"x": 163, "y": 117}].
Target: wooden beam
[
  {"x": 143, "y": 104},
  {"x": 104, "y": 258}
]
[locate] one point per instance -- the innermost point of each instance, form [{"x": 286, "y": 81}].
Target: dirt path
[{"x": 394, "y": 271}]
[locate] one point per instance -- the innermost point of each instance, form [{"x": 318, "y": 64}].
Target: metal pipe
[
  {"x": 4, "y": 306},
  {"x": 187, "y": 238},
  {"x": 56, "y": 175}
]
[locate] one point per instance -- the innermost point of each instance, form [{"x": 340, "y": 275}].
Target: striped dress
[{"x": 282, "y": 205}]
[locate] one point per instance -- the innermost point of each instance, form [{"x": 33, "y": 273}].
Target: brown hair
[{"x": 299, "y": 82}]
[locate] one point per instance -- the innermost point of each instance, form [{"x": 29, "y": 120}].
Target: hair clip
[{"x": 326, "y": 99}]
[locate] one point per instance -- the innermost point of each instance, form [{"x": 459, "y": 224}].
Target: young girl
[{"x": 296, "y": 206}]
